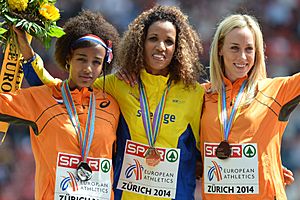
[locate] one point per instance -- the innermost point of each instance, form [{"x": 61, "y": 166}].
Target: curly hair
[
  {"x": 185, "y": 65},
  {"x": 86, "y": 22}
]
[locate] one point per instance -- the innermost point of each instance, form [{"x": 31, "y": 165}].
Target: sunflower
[
  {"x": 19, "y": 5},
  {"x": 49, "y": 11}
]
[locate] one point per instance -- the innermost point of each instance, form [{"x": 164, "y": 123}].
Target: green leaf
[
  {"x": 11, "y": 19},
  {"x": 3, "y": 6},
  {"x": 56, "y": 31},
  {"x": 37, "y": 30},
  {"x": 2, "y": 30},
  {"x": 29, "y": 26},
  {"x": 2, "y": 39},
  {"x": 25, "y": 26},
  {"x": 21, "y": 23},
  {"x": 52, "y": 1},
  {"x": 47, "y": 42}
]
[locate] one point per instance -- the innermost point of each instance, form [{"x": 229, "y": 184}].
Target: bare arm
[{"x": 23, "y": 44}]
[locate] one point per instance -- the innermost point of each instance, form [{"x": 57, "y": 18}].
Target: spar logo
[
  {"x": 71, "y": 161},
  {"x": 139, "y": 150},
  {"x": 135, "y": 169},
  {"x": 69, "y": 181},
  {"x": 236, "y": 150},
  {"x": 215, "y": 171}
]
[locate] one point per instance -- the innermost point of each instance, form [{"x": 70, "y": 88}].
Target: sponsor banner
[
  {"x": 69, "y": 186},
  {"x": 236, "y": 175},
  {"x": 159, "y": 181}
]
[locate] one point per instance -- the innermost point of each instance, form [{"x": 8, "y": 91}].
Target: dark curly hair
[
  {"x": 86, "y": 22},
  {"x": 185, "y": 65}
]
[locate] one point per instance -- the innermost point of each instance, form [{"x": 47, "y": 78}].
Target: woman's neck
[
  {"x": 72, "y": 85},
  {"x": 162, "y": 72}
]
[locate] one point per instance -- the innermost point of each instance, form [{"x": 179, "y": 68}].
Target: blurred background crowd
[{"x": 280, "y": 21}]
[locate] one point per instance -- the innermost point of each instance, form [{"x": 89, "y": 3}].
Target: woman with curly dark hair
[
  {"x": 158, "y": 134},
  {"x": 73, "y": 125},
  {"x": 184, "y": 66},
  {"x": 76, "y": 27}
]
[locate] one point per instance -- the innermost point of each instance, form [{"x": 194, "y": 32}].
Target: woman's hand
[
  {"x": 23, "y": 44},
  {"x": 123, "y": 75},
  {"x": 288, "y": 176}
]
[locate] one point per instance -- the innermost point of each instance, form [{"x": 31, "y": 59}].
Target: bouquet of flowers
[{"x": 36, "y": 17}]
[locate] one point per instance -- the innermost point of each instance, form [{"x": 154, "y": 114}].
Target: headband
[{"x": 98, "y": 40}]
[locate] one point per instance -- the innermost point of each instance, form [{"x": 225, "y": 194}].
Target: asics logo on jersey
[{"x": 104, "y": 104}]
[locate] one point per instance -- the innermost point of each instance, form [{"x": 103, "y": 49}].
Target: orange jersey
[
  {"x": 260, "y": 124},
  {"x": 52, "y": 131}
]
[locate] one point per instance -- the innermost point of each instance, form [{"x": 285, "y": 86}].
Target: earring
[{"x": 67, "y": 66}]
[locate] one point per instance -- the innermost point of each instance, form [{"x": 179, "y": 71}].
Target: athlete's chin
[
  {"x": 85, "y": 84},
  {"x": 241, "y": 74}
]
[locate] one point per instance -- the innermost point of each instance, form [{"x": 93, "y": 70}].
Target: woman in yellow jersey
[
  {"x": 73, "y": 125},
  {"x": 158, "y": 134},
  {"x": 244, "y": 116},
  {"x": 159, "y": 137}
]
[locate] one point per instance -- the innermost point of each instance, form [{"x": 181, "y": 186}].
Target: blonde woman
[{"x": 244, "y": 116}]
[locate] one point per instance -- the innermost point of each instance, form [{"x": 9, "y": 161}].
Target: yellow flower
[
  {"x": 19, "y": 5},
  {"x": 49, "y": 11}
]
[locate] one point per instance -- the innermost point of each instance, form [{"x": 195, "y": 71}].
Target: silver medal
[{"x": 84, "y": 172}]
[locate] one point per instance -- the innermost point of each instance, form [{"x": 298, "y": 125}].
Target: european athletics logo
[
  {"x": 135, "y": 168},
  {"x": 215, "y": 171},
  {"x": 71, "y": 181}
]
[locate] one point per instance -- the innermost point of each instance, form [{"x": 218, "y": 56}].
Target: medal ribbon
[
  {"x": 234, "y": 112},
  {"x": 153, "y": 128},
  {"x": 86, "y": 140}
]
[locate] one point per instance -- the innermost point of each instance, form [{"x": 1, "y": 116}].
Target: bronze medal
[
  {"x": 223, "y": 151},
  {"x": 152, "y": 157},
  {"x": 84, "y": 172}
]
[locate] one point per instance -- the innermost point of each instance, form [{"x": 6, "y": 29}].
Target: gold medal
[
  {"x": 152, "y": 157},
  {"x": 223, "y": 151}
]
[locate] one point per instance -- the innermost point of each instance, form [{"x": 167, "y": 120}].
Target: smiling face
[
  {"x": 85, "y": 66},
  {"x": 159, "y": 47},
  {"x": 238, "y": 52}
]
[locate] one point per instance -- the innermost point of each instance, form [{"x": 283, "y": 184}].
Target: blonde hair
[{"x": 257, "y": 72}]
